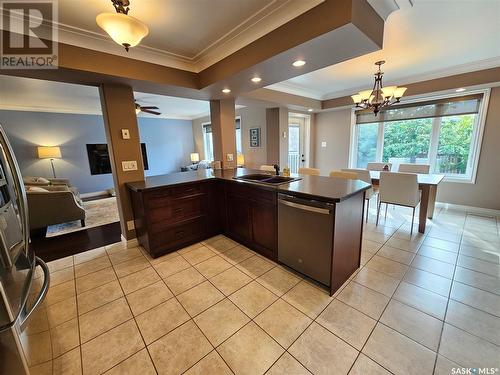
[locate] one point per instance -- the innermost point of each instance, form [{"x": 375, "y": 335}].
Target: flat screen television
[{"x": 99, "y": 160}]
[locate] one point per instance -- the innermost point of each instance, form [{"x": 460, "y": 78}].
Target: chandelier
[
  {"x": 122, "y": 28},
  {"x": 378, "y": 97}
]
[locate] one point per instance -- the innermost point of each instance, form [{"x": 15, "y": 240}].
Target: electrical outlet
[
  {"x": 125, "y": 134},
  {"x": 230, "y": 157},
  {"x": 323, "y": 144},
  {"x": 129, "y": 166},
  {"x": 130, "y": 225}
]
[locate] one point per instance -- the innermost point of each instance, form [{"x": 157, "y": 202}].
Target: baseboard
[
  {"x": 133, "y": 242},
  {"x": 94, "y": 194},
  {"x": 469, "y": 209}
]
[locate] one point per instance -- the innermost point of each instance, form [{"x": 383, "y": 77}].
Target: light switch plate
[
  {"x": 125, "y": 134},
  {"x": 230, "y": 157},
  {"x": 323, "y": 144},
  {"x": 130, "y": 225},
  {"x": 129, "y": 166}
]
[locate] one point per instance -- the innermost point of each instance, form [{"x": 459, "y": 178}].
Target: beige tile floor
[{"x": 419, "y": 305}]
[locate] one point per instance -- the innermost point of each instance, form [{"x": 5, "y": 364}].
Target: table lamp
[
  {"x": 195, "y": 157},
  {"x": 49, "y": 152},
  {"x": 240, "y": 160}
]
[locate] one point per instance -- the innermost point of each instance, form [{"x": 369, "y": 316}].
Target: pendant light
[
  {"x": 378, "y": 97},
  {"x": 122, "y": 28}
]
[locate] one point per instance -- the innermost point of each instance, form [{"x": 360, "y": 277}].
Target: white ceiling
[
  {"x": 188, "y": 34},
  {"x": 434, "y": 38},
  {"x": 26, "y": 94}
]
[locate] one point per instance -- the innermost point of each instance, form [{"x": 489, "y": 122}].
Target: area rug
[{"x": 97, "y": 212}]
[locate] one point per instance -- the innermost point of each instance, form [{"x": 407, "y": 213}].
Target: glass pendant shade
[
  {"x": 399, "y": 92},
  {"x": 388, "y": 91},
  {"x": 356, "y": 98},
  {"x": 366, "y": 94},
  {"x": 122, "y": 28}
]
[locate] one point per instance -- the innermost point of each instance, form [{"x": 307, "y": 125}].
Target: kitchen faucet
[{"x": 277, "y": 168}]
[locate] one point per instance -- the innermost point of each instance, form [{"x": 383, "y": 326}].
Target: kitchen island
[{"x": 176, "y": 210}]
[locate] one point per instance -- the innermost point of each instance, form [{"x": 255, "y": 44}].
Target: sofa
[{"x": 52, "y": 204}]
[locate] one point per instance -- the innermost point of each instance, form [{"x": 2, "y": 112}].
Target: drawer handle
[
  {"x": 178, "y": 210},
  {"x": 179, "y": 233}
]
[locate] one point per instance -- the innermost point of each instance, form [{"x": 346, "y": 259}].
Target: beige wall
[
  {"x": 334, "y": 128},
  {"x": 251, "y": 117}
]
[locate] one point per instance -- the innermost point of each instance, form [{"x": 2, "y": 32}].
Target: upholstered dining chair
[
  {"x": 414, "y": 168},
  {"x": 378, "y": 166},
  {"x": 363, "y": 175},
  {"x": 346, "y": 175},
  {"x": 267, "y": 168},
  {"x": 400, "y": 189},
  {"x": 309, "y": 171}
]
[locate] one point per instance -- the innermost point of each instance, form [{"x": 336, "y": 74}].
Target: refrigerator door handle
[{"x": 25, "y": 315}]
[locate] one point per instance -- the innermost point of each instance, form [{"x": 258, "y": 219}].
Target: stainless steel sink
[{"x": 266, "y": 178}]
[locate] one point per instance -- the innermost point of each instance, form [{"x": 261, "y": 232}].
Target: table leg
[
  {"x": 424, "y": 203},
  {"x": 432, "y": 201}
]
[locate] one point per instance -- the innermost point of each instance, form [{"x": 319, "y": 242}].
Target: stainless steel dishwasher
[{"x": 305, "y": 234}]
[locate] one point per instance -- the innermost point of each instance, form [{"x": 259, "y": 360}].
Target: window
[
  {"x": 444, "y": 133},
  {"x": 367, "y": 144},
  {"x": 208, "y": 139}
]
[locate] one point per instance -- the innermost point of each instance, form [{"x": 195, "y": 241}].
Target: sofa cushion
[
  {"x": 36, "y": 189},
  {"x": 36, "y": 181}
]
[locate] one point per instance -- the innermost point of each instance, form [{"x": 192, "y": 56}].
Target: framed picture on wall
[{"x": 254, "y": 137}]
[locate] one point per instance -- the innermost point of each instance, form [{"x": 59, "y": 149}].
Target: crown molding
[
  {"x": 263, "y": 21},
  {"x": 296, "y": 89},
  {"x": 440, "y": 73}
]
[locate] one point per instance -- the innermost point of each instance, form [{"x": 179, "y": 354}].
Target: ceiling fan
[{"x": 147, "y": 109}]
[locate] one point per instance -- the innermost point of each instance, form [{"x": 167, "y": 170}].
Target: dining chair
[
  {"x": 378, "y": 166},
  {"x": 363, "y": 175},
  {"x": 345, "y": 175},
  {"x": 309, "y": 171},
  {"x": 400, "y": 189},
  {"x": 267, "y": 168},
  {"x": 414, "y": 168}
]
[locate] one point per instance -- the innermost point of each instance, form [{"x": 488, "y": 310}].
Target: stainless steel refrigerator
[{"x": 17, "y": 264}]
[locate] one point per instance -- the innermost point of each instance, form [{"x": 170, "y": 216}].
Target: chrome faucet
[{"x": 277, "y": 168}]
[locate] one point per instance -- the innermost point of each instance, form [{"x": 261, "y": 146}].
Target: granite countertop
[{"x": 317, "y": 187}]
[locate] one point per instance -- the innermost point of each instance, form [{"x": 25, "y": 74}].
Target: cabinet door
[
  {"x": 264, "y": 225},
  {"x": 239, "y": 219}
]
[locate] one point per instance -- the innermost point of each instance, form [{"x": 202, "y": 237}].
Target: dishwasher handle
[{"x": 311, "y": 206}]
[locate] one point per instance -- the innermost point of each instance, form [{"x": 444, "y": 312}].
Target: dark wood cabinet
[
  {"x": 170, "y": 218},
  {"x": 252, "y": 218}
]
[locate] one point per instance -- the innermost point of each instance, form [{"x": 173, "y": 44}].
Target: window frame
[
  {"x": 209, "y": 123},
  {"x": 203, "y": 124},
  {"x": 476, "y": 142}
]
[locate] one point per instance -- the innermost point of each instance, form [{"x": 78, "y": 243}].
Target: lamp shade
[
  {"x": 195, "y": 157},
  {"x": 48, "y": 152},
  {"x": 240, "y": 159},
  {"x": 122, "y": 28}
]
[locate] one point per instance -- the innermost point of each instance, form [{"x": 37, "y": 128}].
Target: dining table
[{"x": 428, "y": 184}]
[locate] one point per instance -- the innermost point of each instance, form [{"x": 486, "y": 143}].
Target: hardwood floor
[{"x": 53, "y": 248}]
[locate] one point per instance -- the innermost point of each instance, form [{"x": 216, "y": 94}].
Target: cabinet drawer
[
  {"x": 159, "y": 198},
  {"x": 187, "y": 190},
  {"x": 178, "y": 210},
  {"x": 251, "y": 192},
  {"x": 178, "y": 234}
]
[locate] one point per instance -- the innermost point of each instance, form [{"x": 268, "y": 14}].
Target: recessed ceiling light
[
  {"x": 460, "y": 89},
  {"x": 310, "y": 110},
  {"x": 256, "y": 79},
  {"x": 226, "y": 91},
  {"x": 298, "y": 63}
]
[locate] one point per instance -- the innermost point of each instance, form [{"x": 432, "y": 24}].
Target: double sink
[{"x": 264, "y": 178}]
